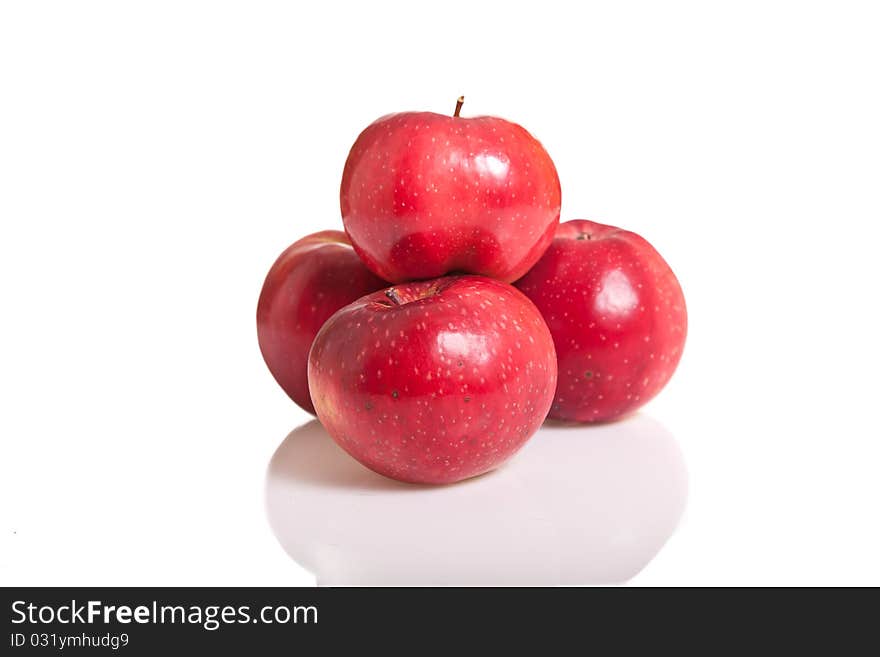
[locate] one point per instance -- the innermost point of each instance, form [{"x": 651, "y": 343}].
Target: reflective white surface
[{"x": 578, "y": 505}]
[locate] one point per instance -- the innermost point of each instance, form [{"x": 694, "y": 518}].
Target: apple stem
[
  {"x": 458, "y": 105},
  {"x": 392, "y": 294}
]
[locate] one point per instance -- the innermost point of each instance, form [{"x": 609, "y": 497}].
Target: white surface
[
  {"x": 156, "y": 157},
  {"x": 575, "y": 506}
]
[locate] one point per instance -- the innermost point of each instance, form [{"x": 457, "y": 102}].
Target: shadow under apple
[{"x": 577, "y": 505}]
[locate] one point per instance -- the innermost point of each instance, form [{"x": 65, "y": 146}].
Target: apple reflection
[{"x": 577, "y": 505}]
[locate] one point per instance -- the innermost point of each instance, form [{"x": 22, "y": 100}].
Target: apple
[
  {"x": 434, "y": 381},
  {"x": 310, "y": 280},
  {"x": 425, "y": 194},
  {"x": 617, "y": 315}
]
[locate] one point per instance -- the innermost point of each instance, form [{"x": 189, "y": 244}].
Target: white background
[{"x": 155, "y": 157}]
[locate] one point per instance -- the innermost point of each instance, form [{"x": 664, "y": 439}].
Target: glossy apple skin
[
  {"x": 425, "y": 195},
  {"x": 443, "y": 384},
  {"x": 310, "y": 280},
  {"x": 617, "y": 315}
]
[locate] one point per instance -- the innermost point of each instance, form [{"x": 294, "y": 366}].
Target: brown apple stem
[
  {"x": 458, "y": 105},
  {"x": 393, "y": 294}
]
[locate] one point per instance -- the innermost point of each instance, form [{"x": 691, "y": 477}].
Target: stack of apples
[{"x": 455, "y": 313}]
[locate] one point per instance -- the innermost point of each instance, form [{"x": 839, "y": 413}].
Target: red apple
[
  {"x": 425, "y": 194},
  {"x": 617, "y": 315},
  {"x": 434, "y": 381},
  {"x": 310, "y": 281}
]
